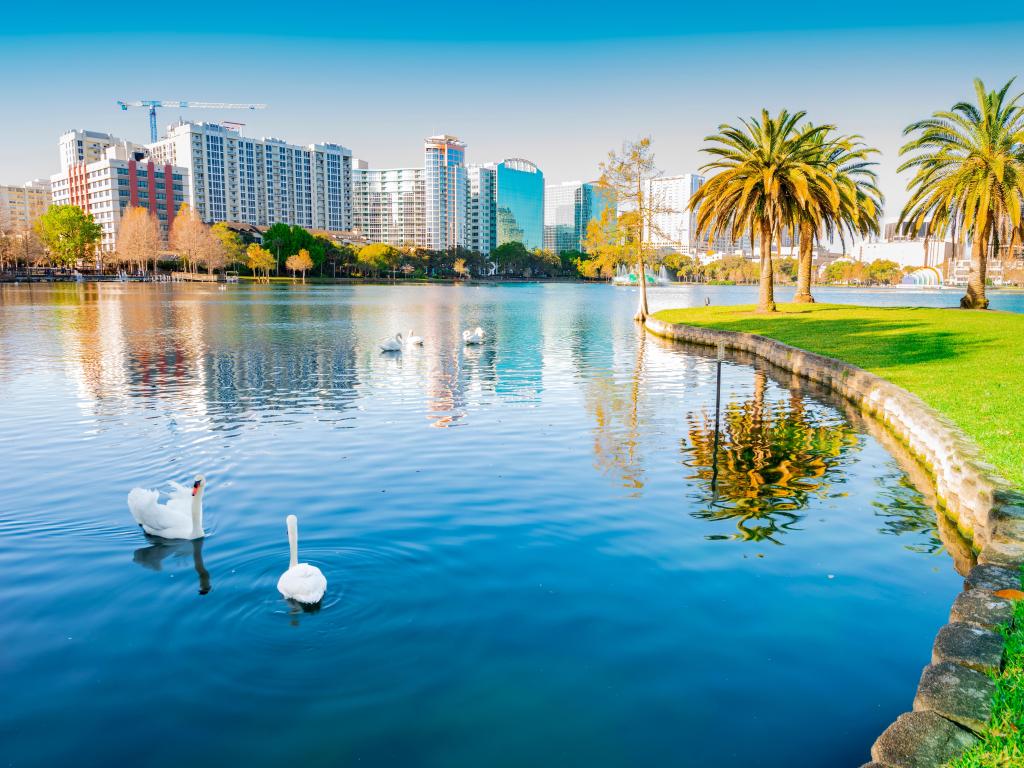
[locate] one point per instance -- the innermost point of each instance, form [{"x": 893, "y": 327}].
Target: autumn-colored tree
[
  {"x": 846, "y": 272},
  {"x": 604, "y": 245},
  {"x": 231, "y": 244},
  {"x": 378, "y": 257},
  {"x": 190, "y": 238},
  {"x": 461, "y": 269},
  {"x": 259, "y": 259},
  {"x": 20, "y": 245},
  {"x": 69, "y": 234},
  {"x": 628, "y": 174},
  {"x": 299, "y": 262},
  {"x": 138, "y": 238}
]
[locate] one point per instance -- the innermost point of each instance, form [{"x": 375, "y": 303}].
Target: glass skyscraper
[
  {"x": 568, "y": 209},
  {"x": 506, "y": 204},
  {"x": 519, "y": 203}
]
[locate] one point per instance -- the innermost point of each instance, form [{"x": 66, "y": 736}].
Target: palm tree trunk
[
  {"x": 803, "y": 270},
  {"x": 766, "y": 294},
  {"x": 975, "y": 297}
]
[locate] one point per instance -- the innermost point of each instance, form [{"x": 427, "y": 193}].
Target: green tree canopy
[
  {"x": 283, "y": 241},
  {"x": 512, "y": 258},
  {"x": 884, "y": 272},
  {"x": 69, "y": 233}
]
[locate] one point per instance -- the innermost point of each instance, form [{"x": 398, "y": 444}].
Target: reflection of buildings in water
[
  {"x": 769, "y": 459},
  {"x": 629, "y": 386},
  {"x": 205, "y": 356},
  {"x": 92, "y": 329}
]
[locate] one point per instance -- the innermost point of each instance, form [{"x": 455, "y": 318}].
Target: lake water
[{"x": 536, "y": 554}]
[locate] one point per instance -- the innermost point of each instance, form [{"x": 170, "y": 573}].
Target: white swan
[
  {"x": 476, "y": 336},
  {"x": 392, "y": 345},
  {"x": 180, "y": 518},
  {"x": 414, "y": 339},
  {"x": 302, "y": 582}
]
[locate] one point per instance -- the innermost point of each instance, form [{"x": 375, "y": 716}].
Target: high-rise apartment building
[
  {"x": 260, "y": 181},
  {"x": 674, "y": 225},
  {"x": 388, "y": 205},
  {"x": 446, "y": 192},
  {"x": 22, "y": 204},
  {"x": 448, "y": 204},
  {"x": 481, "y": 213},
  {"x": 125, "y": 177},
  {"x": 568, "y": 208},
  {"x": 78, "y": 146}
]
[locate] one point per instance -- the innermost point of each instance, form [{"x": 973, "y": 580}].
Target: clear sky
[{"x": 559, "y": 83}]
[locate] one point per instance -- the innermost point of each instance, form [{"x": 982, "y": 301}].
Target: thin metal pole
[{"x": 718, "y": 407}]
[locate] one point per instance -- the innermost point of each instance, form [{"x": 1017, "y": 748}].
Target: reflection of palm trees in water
[
  {"x": 771, "y": 458},
  {"x": 904, "y": 512},
  {"x": 153, "y": 556}
]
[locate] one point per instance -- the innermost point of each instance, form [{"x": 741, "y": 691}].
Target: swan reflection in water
[{"x": 153, "y": 556}]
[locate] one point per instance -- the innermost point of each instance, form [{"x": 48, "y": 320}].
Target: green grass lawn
[
  {"x": 1002, "y": 746},
  {"x": 967, "y": 364}
]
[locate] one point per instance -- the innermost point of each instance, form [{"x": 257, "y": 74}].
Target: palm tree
[
  {"x": 769, "y": 171},
  {"x": 968, "y": 176},
  {"x": 860, "y": 203}
]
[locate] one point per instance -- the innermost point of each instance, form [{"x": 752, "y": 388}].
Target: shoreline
[{"x": 957, "y": 695}]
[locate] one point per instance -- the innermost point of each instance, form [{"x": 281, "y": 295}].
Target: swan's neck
[
  {"x": 293, "y": 542},
  {"x": 197, "y": 513}
]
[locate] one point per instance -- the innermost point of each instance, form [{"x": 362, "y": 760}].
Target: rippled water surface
[{"x": 538, "y": 554}]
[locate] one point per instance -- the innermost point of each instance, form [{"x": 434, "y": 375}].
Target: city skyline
[{"x": 554, "y": 103}]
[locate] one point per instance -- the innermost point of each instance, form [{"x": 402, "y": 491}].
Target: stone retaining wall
[{"x": 954, "y": 697}]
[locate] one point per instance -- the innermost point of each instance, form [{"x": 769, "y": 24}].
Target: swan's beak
[{"x": 195, "y": 488}]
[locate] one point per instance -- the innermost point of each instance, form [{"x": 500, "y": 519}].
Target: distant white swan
[
  {"x": 476, "y": 336},
  {"x": 414, "y": 339},
  {"x": 302, "y": 582},
  {"x": 180, "y": 518},
  {"x": 392, "y": 345}
]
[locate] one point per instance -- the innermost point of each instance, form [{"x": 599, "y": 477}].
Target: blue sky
[{"x": 558, "y": 83}]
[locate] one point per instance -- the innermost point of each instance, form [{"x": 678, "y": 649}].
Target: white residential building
[
  {"x": 125, "y": 177},
  {"x": 78, "y": 146},
  {"x": 482, "y": 208},
  {"x": 388, "y": 204},
  {"x": 675, "y": 225},
  {"x": 260, "y": 181},
  {"x": 446, "y": 189},
  {"x": 22, "y": 204}
]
